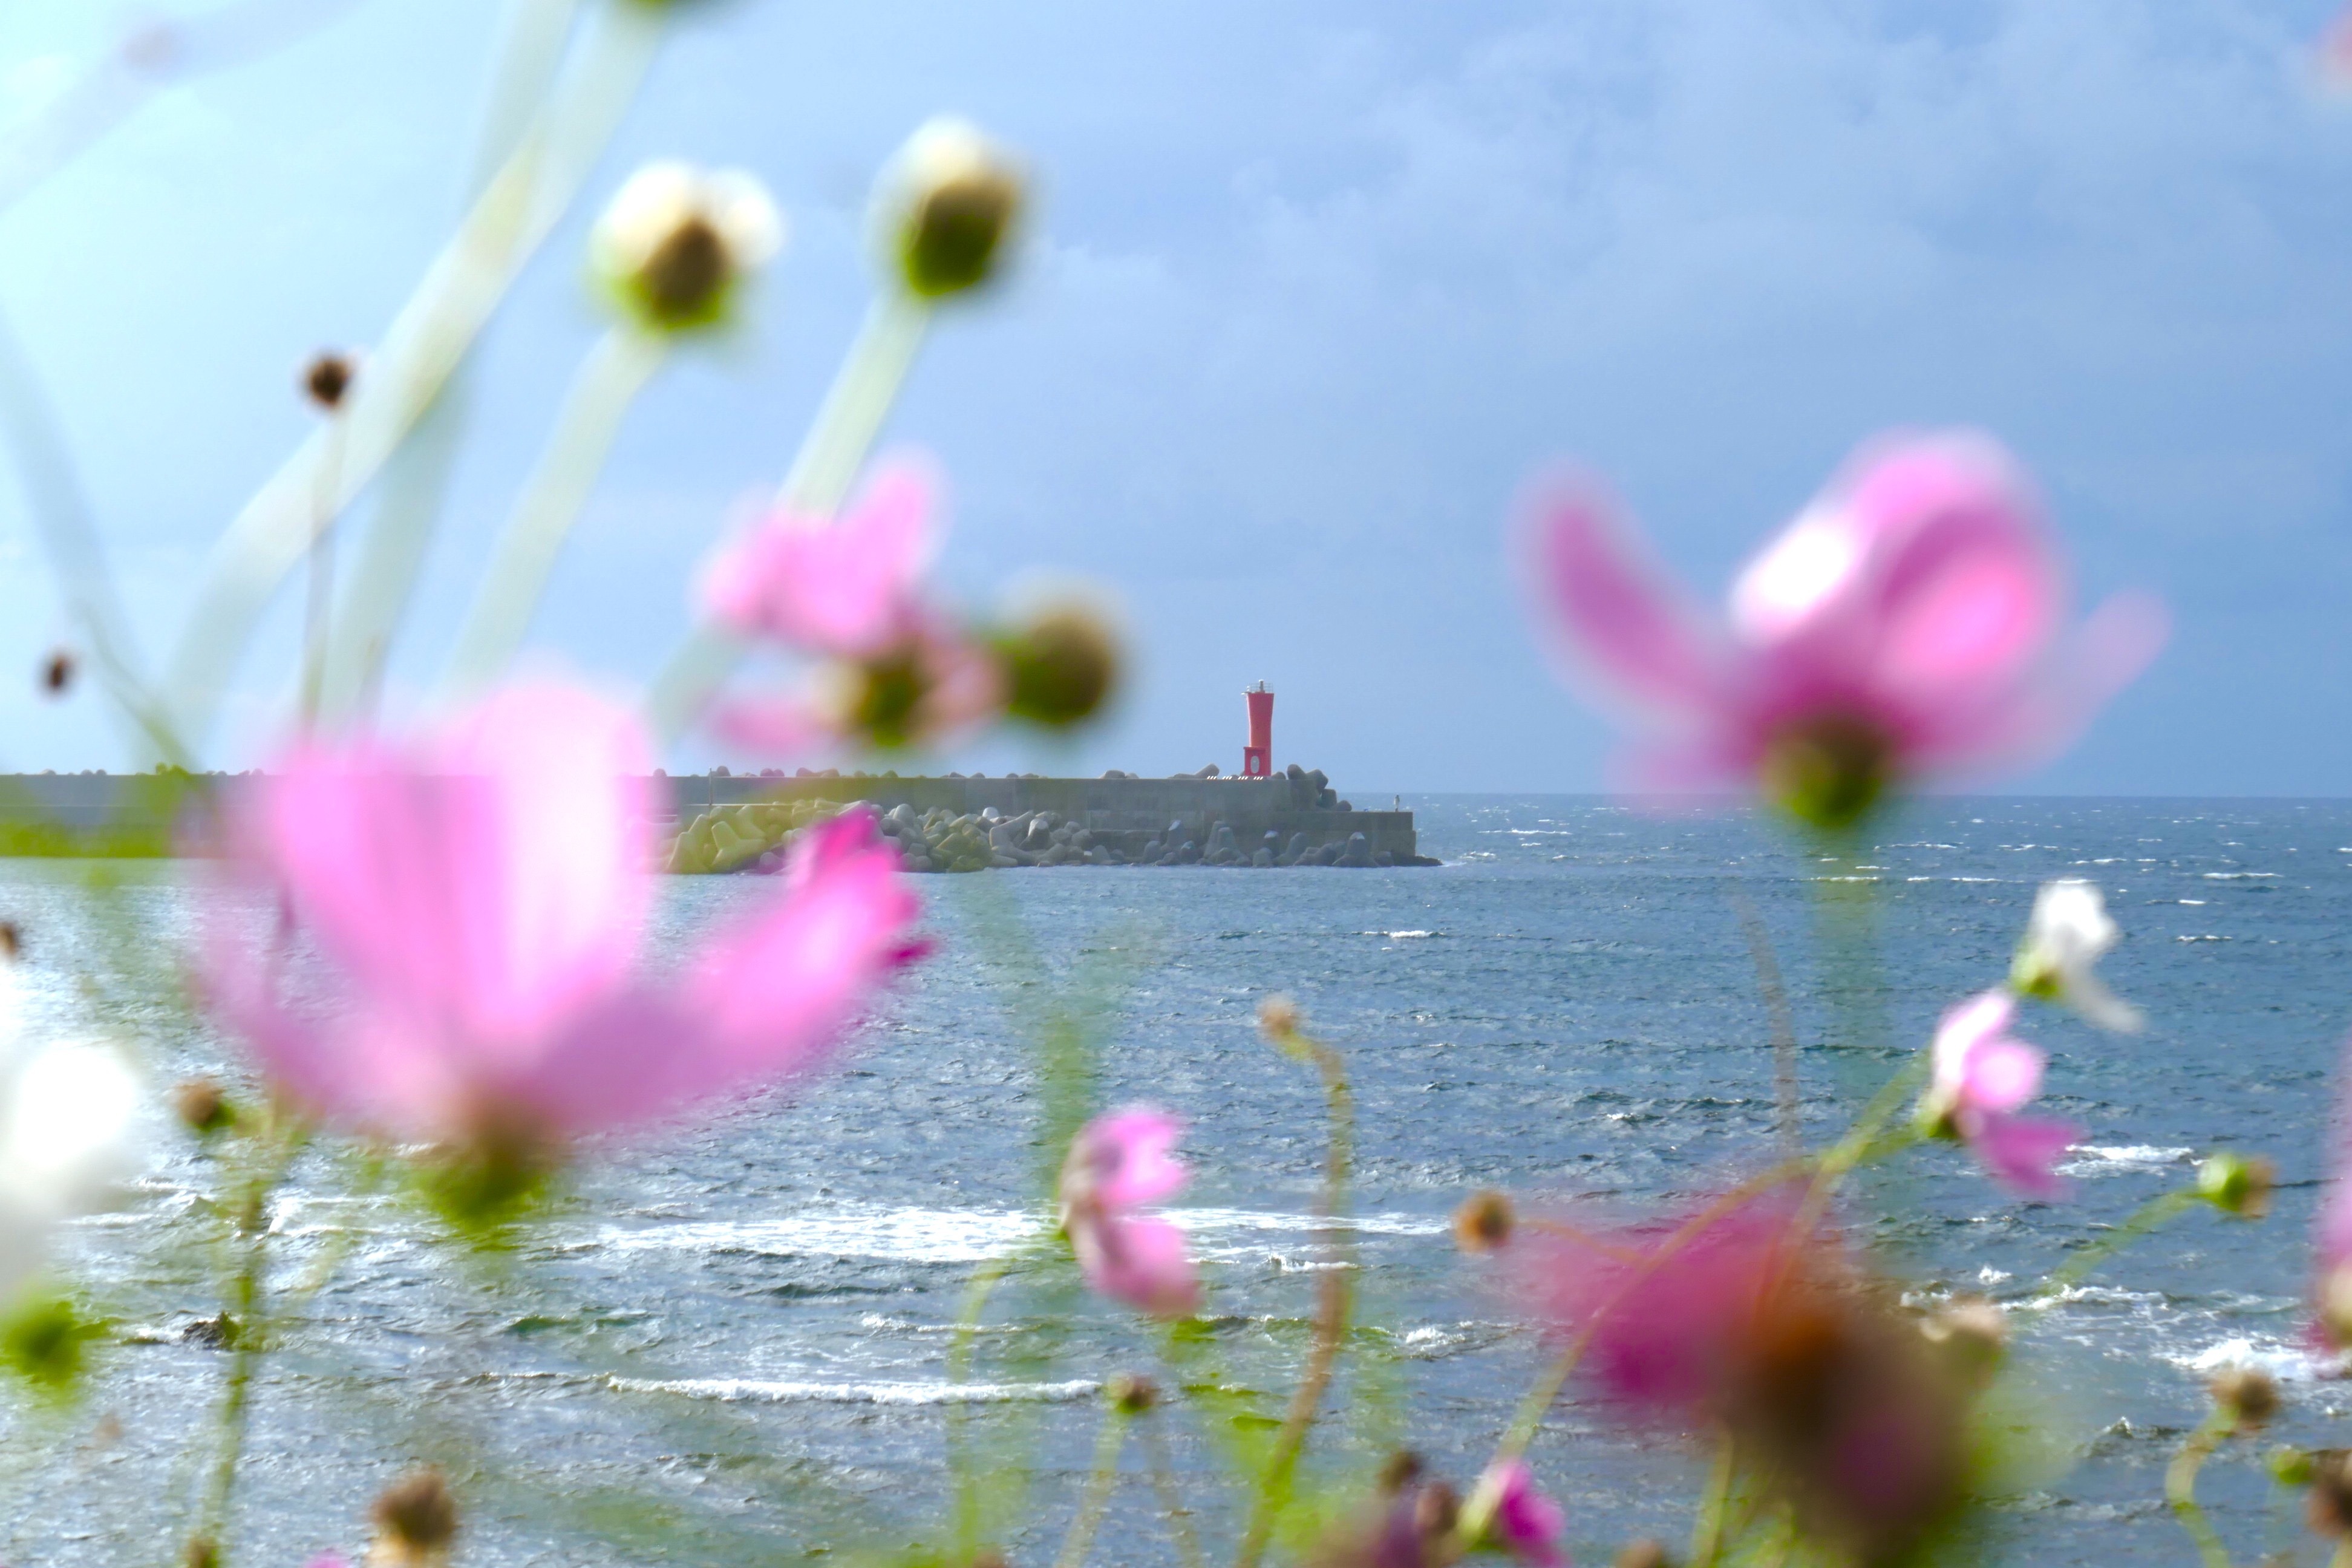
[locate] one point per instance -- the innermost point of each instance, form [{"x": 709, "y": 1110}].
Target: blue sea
[{"x": 732, "y": 1345}]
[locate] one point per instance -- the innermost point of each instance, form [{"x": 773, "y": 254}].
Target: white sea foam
[
  {"x": 2286, "y": 1363},
  {"x": 744, "y": 1390},
  {"x": 2239, "y": 875},
  {"x": 2096, "y": 1160}
]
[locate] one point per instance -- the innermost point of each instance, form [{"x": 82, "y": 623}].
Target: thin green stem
[
  {"x": 2151, "y": 1215},
  {"x": 606, "y": 384},
  {"x": 319, "y": 602},
  {"x": 1783, "y": 1022},
  {"x": 2180, "y": 1486},
  {"x": 1707, "y": 1530},
  {"x": 959, "y": 1352},
  {"x": 831, "y": 454},
  {"x": 1097, "y": 1497},
  {"x": 1335, "y": 1295},
  {"x": 418, "y": 352},
  {"x": 1172, "y": 1501},
  {"x": 249, "y": 1337}
]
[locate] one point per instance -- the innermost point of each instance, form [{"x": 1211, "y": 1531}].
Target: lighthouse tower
[{"x": 1257, "y": 757}]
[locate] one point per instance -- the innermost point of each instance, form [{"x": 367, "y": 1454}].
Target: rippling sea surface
[{"x": 732, "y": 1344}]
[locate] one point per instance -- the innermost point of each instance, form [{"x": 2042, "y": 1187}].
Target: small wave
[
  {"x": 742, "y": 1390},
  {"x": 2288, "y": 1363},
  {"x": 2239, "y": 875},
  {"x": 1396, "y": 935},
  {"x": 2192, "y": 903},
  {"x": 2098, "y": 1161},
  {"x": 898, "y": 1236},
  {"x": 2089, "y": 1296}
]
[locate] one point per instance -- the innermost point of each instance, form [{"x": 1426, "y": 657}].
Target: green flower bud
[
  {"x": 950, "y": 202},
  {"x": 2236, "y": 1184},
  {"x": 677, "y": 241}
]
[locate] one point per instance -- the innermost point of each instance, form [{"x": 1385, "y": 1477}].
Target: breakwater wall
[{"x": 727, "y": 823}]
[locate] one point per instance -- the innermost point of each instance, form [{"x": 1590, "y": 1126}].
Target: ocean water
[{"x": 731, "y": 1342}]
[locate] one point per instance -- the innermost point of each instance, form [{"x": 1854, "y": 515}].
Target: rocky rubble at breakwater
[{"x": 1307, "y": 824}]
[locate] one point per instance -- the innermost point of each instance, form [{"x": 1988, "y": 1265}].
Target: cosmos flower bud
[
  {"x": 2247, "y": 1394},
  {"x": 415, "y": 1521},
  {"x": 1131, "y": 1394},
  {"x": 677, "y": 241},
  {"x": 1482, "y": 1224},
  {"x": 1059, "y": 665},
  {"x": 949, "y": 202},
  {"x": 1278, "y": 1020},
  {"x": 57, "y": 672},
  {"x": 327, "y": 379},
  {"x": 1829, "y": 770},
  {"x": 203, "y": 1552},
  {"x": 2238, "y": 1184},
  {"x": 1643, "y": 1553},
  {"x": 202, "y": 1105}
]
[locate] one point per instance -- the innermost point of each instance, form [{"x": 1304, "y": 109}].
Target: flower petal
[
  {"x": 843, "y": 587},
  {"x": 2020, "y": 1153},
  {"x": 1963, "y": 1028},
  {"x": 1601, "y": 597},
  {"x": 1999, "y": 1076},
  {"x": 1141, "y": 1262},
  {"x": 1127, "y": 1157}
]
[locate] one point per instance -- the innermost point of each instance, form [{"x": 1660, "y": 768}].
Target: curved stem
[
  {"x": 2149, "y": 1216},
  {"x": 968, "y": 1502},
  {"x": 607, "y": 382},
  {"x": 2181, "y": 1487},
  {"x": 1785, "y": 1095},
  {"x": 1171, "y": 1502},
  {"x": 1097, "y": 1497},
  {"x": 835, "y": 448},
  {"x": 1334, "y": 1294},
  {"x": 1707, "y": 1530}
]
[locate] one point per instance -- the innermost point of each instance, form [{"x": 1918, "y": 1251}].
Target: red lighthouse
[{"x": 1257, "y": 757}]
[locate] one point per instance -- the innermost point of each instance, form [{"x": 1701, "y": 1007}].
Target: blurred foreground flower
[
  {"x": 479, "y": 896},
  {"x": 1749, "y": 1320},
  {"x": 1117, "y": 1163},
  {"x": 1521, "y": 1519},
  {"x": 70, "y": 1119},
  {"x": 1900, "y": 629},
  {"x": 678, "y": 242},
  {"x": 2068, "y": 931},
  {"x": 1982, "y": 1075}
]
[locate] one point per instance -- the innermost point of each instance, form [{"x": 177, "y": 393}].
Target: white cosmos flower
[
  {"x": 2066, "y": 934},
  {"x": 70, "y": 1125}
]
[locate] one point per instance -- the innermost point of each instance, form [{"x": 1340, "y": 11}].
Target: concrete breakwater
[{"x": 742, "y": 823}]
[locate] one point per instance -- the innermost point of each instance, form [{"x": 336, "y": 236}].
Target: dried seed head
[
  {"x": 1483, "y": 1223},
  {"x": 951, "y": 200},
  {"x": 1278, "y": 1019},
  {"x": 326, "y": 381},
  {"x": 2328, "y": 1510},
  {"x": 202, "y": 1105},
  {"x": 675, "y": 241},
  {"x": 203, "y": 1552},
  {"x": 2238, "y": 1184},
  {"x": 1641, "y": 1553},
  {"x": 12, "y": 940},
  {"x": 416, "y": 1516},
  {"x": 1059, "y": 666},
  {"x": 2248, "y": 1394},
  {"x": 57, "y": 672},
  {"x": 1397, "y": 1472},
  {"x": 1130, "y": 1395}
]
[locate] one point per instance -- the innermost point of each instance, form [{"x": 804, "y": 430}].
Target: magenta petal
[
  {"x": 1528, "y": 1523},
  {"x": 2001, "y": 1075},
  {"x": 779, "y": 987},
  {"x": 1128, "y": 1159},
  {"x": 845, "y": 586},
  {"x": 784, "y": 726},
  {"x": 1610, "y": 605},
  {"x": 493, "y": 878},
  {"x": 2020, "y": 1153},
  {"x": 1141, "y": 1262},
  {"x": 1963, "y": 1029}
]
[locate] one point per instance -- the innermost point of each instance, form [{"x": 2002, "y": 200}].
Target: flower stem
[
  {"x": 2147, "y": 1217},
  {"x": 1171, "y": 1502},
  {"x": 1707, "y": 1530},
  {"x": 835, "y": 448},
  {"x": 967, "y": 1499},
  {"x": 1785, "y": 1095},
  {"x": 319, "y": 602},
  {"x": 247, "y": 1335},
  {"x": 607, "y": 382},
  {"x": 1097, "y": 1497},
  {"x": 2181, "y": 1487},
  {"x": 1334, "y": 1294},
  {"x": 418, "y": 352}
]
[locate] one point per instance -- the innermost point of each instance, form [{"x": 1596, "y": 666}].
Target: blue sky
[{"x": 1312, "y": 290}]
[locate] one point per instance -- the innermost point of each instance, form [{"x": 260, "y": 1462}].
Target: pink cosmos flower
[
  {"x": 1119, "y": 1162},
  {"x": 896, "y": 670},
  {"x": 476, "y": 900},
  {"x": 1524, "y": 1523},
  {"x": 1980, "y": 1076},
  {"x": 849, "y": 585},
  {"x": 1902, "y": 628}
]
